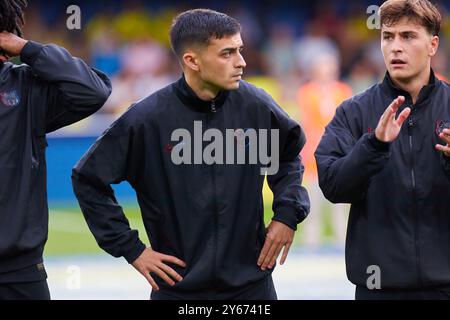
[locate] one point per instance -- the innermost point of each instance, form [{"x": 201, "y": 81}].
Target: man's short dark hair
[
  {"x": 198, "y": 27},
  {"x": 12, "y": 16},
  {"x": 420, "y": 11}
]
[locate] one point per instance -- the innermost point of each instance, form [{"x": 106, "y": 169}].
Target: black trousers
[
  {"x": 37, "y": 290},
  {"x": 363, "y": 293},
  {"x": 265, "y": 290}
]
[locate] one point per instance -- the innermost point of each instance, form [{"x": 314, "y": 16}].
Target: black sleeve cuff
[
  {"x": 377, "y": 144},
  {"x": 30, "y": 52},
  {"x": 135, "y": 253},
  {"x": 288, "y": 216}
]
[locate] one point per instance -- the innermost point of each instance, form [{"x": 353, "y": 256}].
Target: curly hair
[{"x": 12, "y": 16}]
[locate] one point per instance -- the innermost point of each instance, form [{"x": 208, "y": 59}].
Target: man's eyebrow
[
  {"x": 401, "y": 32},
  {"x": 232, "y": 48},
  {"x": 408, "y": 32}
]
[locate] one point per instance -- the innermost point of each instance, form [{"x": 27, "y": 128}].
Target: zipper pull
[
  {"x": 410, "y": 121},
  {"x": 213, "y": 106}
]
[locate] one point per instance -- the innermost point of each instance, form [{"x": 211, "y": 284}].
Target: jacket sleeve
[
  {"x": 70, "y": 88},
  {"x": 345, "y": 164},
  {"x": 112, "y": 159},
  {"x": 291, "y": 201}
]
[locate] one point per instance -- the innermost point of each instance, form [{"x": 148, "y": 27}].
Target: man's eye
[
  {"x": 227, "y": 54},
  {"x": 387, "y": 37}
]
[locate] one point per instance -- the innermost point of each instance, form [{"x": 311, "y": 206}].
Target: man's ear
[
  {"x": 190, "y": 60},
  {"x": 434, "y": 46}
]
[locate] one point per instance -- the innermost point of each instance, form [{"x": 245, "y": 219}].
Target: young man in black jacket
[
  {"x": 51, "y": 90},
  {"x": 203, "y": 210},
  {"x": 393, "y": 165}
]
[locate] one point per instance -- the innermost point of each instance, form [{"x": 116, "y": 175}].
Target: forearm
[
  {"x": 291, "y": 201},
  {"x": 344, "y": 179},
  {"x": 80, "y": 84},
  {"x": 106, "y": 219}
]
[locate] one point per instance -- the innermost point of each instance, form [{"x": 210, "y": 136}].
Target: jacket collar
[
  {"x": 191, "y": 100},
  {"x": 389, "y": 86}
]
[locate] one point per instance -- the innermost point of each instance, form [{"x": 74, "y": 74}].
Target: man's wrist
[
  {"x": 377, "y": 143},
  {"x": 22, "y": 44},
  {"x": 30, "y": 52}
]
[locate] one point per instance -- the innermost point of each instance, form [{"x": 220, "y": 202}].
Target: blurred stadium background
[{"x": 309, "y": 56}]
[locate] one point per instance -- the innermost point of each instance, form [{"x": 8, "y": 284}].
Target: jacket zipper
[
  {"x": 34, "y": 151},
  {"x": 416, "y": 217},
  {"x": 216, "y": 214}
]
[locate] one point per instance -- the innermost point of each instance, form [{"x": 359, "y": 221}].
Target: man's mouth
[{"x": 398, "y": 63}]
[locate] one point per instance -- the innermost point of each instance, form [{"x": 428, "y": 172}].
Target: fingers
[
  {"x": 4, "y": 58},
  {"x": 444, "y": 149},
  {"x": 403, "y": 116},
  {"x": 168, "y": 270},
  {"x": 445, "y": 135},
  {"x": 285, "y": 252},
  {"x": 274, "y": 258},
  {"x": 267, "y": 245},
  {"x": 151, "y": 262},
  {"x": 163, "y": 276},
  {"x": 397, "y": 103},
  {"x": 173, "y": 260},
  {"x": 150, "y": 280},
  {"x": 163, "y": 271},
  {"x": 390, "y": 111},
  {"x": 269, "y": 255},
  {"x": 388, "y": 127}
]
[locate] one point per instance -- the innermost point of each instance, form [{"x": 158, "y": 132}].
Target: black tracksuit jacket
[
  {"x": 399, "y": 191},
  {"x": 210, "y": 216},
  {"x": 51, "y": 90}
]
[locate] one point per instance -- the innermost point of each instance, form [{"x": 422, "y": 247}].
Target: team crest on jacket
[
  {"x": 10, "y": 99},
  {"x": 441, "y": 125}
]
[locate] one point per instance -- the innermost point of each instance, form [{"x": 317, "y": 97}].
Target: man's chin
[
  {"x": 233, "y": 86},
  {"x": 401, "y": 75},
  {"x": 228, "y": 86}
]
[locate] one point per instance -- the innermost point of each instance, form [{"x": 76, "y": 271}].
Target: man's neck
[
  {"x": 414, "y": 85},
  {"x": 201, "y": 89}
]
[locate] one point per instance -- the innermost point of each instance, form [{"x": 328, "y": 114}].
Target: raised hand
[
  {"x": 388, "y": 127},
  {"x": 10, "y": 45},
  {"x": 445, "y": 136}
]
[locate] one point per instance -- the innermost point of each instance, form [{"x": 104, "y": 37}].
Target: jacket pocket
[
  {"x": 260, "y": 235},
  {"x": 37, "y": 207},
  {"x": 39, "y": 144}
]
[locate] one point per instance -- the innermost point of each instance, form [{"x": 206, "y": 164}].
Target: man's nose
[
  {"x": 240, "y": 62},
  {"x": 397, "y": 45}
]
